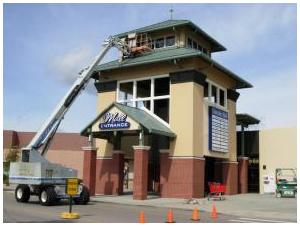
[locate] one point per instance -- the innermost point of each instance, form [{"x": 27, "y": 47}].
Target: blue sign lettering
[{"x": 114, "y": 121}]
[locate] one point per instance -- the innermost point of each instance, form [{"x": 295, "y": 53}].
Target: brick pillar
[
  {"x": 118, "y": 167},
  {"x": 140, "y": 178},
  {"x": 227, "y": 173},
  {"x": 243, "y": 174},
  {"x": 164, "y": 165},
  {"x": 89, "y": 168},
  {"x": 181, "y": 177}
]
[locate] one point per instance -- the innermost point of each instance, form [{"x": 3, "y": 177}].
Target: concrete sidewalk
[{"x": 250, "y": 205}]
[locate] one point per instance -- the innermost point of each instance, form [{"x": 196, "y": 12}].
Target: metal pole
[
  {"x": 243, "y": 141},
  {"x": 141, "y": 138},
  {"x": 70, "y": 204}
]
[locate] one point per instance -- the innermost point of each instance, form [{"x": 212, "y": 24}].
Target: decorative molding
[
  {"x": 229, "y": 162},
  {"x": 243, "y": 158},
  {"x": 188, "y": 76},
  {"x": 232, "y": 95},
  {"x": 186, "y": 157},
  {"x": 89, "y": 148},
  {"x": 164, "y": 151},
  {"x": 104, "y": 158},
  {"x": 143, "y": 148},
  {"x": 106, "y": 86},
  {"x": 118, "y": 152}
]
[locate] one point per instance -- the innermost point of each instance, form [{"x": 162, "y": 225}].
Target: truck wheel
[
  {"x": 47, "y": 196},
  {"x": 84, "y": 197},
  {"x": 278, "y": 194},
  {"x": 22, "y": 193}
]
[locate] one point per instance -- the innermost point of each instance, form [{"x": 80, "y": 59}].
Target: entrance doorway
[
  {"x": 209, "y": 173},
  {"x": 251, "y": 143},
  {"x": 156, "y": 142}
]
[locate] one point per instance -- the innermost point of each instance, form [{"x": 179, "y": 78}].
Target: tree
[{"x": 12, "y": 156}]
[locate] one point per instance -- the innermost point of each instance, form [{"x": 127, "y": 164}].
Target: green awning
[
  {"x": 142, "y": 118},
  {"x": 246, "y": 120}
]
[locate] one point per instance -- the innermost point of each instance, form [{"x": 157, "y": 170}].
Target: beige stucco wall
[
  {"x": 103, "y": 101},
  {"x": 277, "y": 149},
  {"x": 181, "y": 119},
  {"x": 187, "y": 111},
  {"x": 232, "y": 130}
]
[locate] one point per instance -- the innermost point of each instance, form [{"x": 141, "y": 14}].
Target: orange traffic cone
[
  {"x": 196, "y": 215},
  {"x": 142, "y": 217},
  {"x": 170, "y": 217},
  {"x": 214, "y": 214}
]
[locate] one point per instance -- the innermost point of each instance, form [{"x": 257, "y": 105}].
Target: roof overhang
[
  {"x": 170, "y": 55},
  {"x": 246, "y": 120},
  {"x": 216, "y": 46}
]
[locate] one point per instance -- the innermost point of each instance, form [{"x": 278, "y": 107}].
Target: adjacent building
[{"x": 65, "y": 149}]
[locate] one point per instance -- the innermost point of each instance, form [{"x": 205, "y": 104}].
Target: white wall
[{"x": 277, "y": 149}]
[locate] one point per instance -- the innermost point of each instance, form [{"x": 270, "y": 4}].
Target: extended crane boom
[
  {"x": 45, "y": 134},
  {"x": 35, "y": 175}
]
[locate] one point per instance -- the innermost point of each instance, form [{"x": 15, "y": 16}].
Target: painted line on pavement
[
  {"x": 242, "y": 221},
  {"x": 256, "y": 219}
]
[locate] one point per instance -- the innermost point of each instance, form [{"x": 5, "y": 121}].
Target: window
[
  {"x": 126, "y": 91},
  {"x": 144, "y": 103},
  {"x": 206, "y": 90},
  {"x": 170, "y": 41},
  {"x": 165, "y": 42},
  {"x": 215, "y": 94},
  {"x": 222, "y": 97},
  {"x": 162, "y": 86},
  {"x": 161, "y": 109},
  {"x": 143, "y": 88},
  {"x": 159, "y": 43},
  {"x": 193, "y": 44},
  {"x": 152, "y": 94}
]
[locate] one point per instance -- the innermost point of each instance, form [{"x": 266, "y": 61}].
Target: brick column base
[
  {"x": 140, "y": 178},
  {"x": 227, "y": 173},
  {"x": 89, "y": 168},
  {"x": 109, "y": 174},
  {"x": 243, "y": 175},
  {"x": 118, "y": 175},
  {"x": 181, "y": 177}
]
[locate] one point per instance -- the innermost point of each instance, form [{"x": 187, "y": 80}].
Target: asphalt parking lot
[{"x": 107, "y": 212}]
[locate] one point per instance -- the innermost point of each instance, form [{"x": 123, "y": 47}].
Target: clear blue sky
[{"x": 45, "y": 45}]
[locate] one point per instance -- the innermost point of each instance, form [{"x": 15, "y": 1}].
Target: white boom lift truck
[{"x": 35, "y": 175}]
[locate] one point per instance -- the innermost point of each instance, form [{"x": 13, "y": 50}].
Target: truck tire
[
  {"x": 22, "y": 193},
  {"x": 84, "y": 197},
  {"x": 47, "y": 196},
  {"x": 278, "y": 194}
]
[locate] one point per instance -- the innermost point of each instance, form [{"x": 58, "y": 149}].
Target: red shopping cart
[{"x": 216, "y": 190}]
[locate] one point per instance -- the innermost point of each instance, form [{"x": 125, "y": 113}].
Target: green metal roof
[
  {"x": 170, "y": 54},
  {"x": 216, "y": 46},
  {"x": 140, "y": 116},
  {"x": 246, "y": 120}
]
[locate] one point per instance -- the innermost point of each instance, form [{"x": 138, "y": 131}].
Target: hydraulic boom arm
[{"x": 45, "y": 134}]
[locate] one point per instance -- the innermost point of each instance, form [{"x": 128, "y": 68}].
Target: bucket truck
[{"x": 34, "y": 174}]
